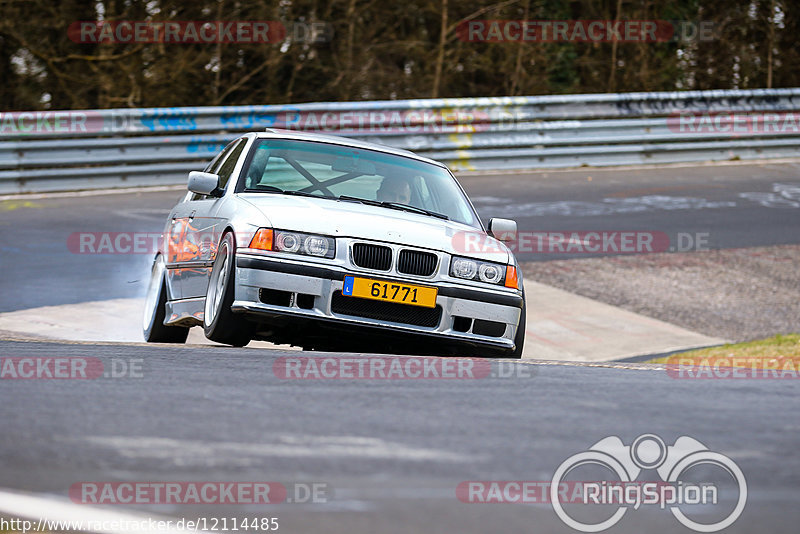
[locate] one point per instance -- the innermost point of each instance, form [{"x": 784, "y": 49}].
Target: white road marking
[
  {"x": 608, "y": 206},
  {"x": 782, "y": 196},
  {"x": 93, "y": 192},
  {"x": 41, "y": 509},
  {"x": 208, "y": 453}
]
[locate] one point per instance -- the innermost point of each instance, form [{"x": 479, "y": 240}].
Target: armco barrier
[{"x": 66, "y": 150}]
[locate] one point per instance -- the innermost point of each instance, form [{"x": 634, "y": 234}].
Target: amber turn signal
[
  {"x": 262, "y": 239},
  {"x": 511, "y": 277}
]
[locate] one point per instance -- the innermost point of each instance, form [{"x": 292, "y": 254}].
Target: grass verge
[{"x": 771, "y": 353}]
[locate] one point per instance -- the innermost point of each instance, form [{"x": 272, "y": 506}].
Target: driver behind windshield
[{"x": 394, "y": 190}]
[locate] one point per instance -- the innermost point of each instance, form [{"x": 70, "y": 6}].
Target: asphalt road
[
  {"x": 735, "y": 205},
  {"x": 731, "y": 206},
  {"x": 391, "y": 453}
]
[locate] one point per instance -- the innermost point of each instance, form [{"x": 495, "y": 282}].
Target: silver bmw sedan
[{"x": 330, "y": 243}]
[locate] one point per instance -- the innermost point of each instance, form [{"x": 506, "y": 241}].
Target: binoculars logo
[{"x": 648, "y": 451}]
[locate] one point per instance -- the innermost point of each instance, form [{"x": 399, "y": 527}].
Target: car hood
[{"x": 351, "y": 219}]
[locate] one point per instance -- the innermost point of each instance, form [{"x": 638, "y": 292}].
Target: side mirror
[
  {"x": 203, "y": 183},
  {"x": 503, "y": 229}
]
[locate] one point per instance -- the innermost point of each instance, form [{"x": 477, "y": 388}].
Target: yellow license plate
[{"x": 366, "y": 288}]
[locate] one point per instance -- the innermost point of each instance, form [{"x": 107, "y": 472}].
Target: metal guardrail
[{"x": 67, "y": 150}]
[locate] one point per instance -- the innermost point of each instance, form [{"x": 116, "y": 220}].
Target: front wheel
[
  {"x": 153, "y": 327},
  {"x": 219, "y": 322}
]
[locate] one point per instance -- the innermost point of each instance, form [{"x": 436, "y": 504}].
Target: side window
[
  {"x": 226, "y": 169},
  {"x": 214, "y": 164},
  {"x": 212, "y": 168}
]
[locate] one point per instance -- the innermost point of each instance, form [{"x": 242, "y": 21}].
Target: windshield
[{"x": 355, "y": 174}]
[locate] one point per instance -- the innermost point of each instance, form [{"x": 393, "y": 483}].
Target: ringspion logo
[{"x": 649, "y": 452}]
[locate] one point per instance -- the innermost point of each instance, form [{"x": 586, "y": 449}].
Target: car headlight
[
  {"x": 464, "y": 268},
  {"x": 314, "y": 245},
  {"x": 489, "y": 273},
  {"x": 294, "y": 242},
  {"x": 287, "y": 242},
  {"x": 484, "y": 271}
]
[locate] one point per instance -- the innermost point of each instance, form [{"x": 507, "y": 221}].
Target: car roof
[{"x": 276, "y": 133}]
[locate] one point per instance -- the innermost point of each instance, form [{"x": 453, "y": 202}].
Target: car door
[
  {"x": 178, "y": 247},
  {"x": 204, "y": 228}
]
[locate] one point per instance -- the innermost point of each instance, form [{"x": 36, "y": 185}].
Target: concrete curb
[{"x": 561, "y": 326}]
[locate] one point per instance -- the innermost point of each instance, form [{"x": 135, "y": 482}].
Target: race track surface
[{"x": 391, "y": 453}]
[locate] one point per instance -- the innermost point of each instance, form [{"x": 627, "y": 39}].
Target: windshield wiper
[
  {"x": 264, "y": 189},
  {"x": 306, "y": 194},
  {"x": 367, "y": 201},
  {"x": 303, "y": 194},
  {"x": 273, "y": 189},
  {"x": 394, "y": 206},
  {"x": 414, "y": 209}
]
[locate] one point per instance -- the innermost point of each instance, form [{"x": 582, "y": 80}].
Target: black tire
[
  {"x": 220, "y": 324},
  {"x": 153, "y": 327}
]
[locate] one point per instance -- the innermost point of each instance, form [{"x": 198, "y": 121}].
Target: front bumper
[{"x": 470, "y": 316}]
